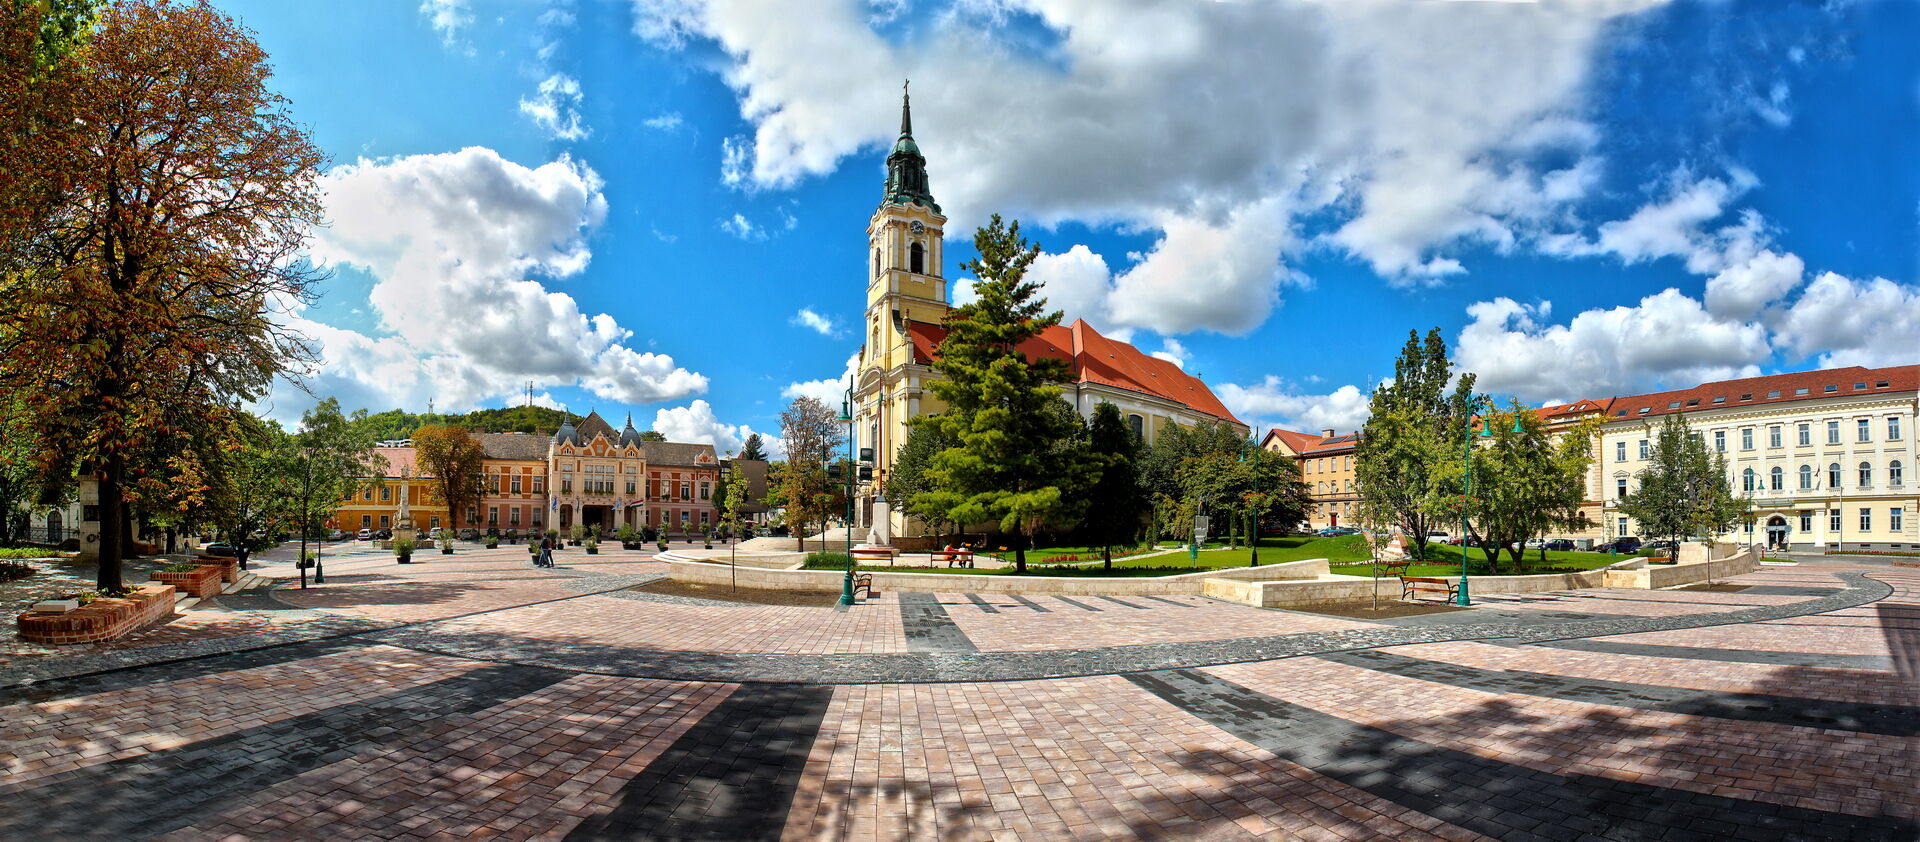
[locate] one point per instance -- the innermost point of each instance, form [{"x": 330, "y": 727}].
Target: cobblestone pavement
[{"x": 474, "y": 696}]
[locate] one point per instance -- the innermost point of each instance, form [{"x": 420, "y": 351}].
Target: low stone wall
[
  {"x": 1687, "y": 573},
  {"x": 204, "y": 581},
  {"x": 829, "y": 580},
  {"x": 1359, "y": 588},
  {"x": 101, "y": 619}
]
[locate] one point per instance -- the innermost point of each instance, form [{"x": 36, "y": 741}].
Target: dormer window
[
  {"x": 1831, "y": 389},
  {"x": 1747, "y": 397},
  {"x": 1774, "y": 394},
  {"x": 1799, "y": 391},
  {"x": 1720, "y": 399}
]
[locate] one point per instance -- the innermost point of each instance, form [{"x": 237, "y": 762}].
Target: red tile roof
[
  {"x": 1306, "y": 444},
  {"x": 1772, "y": 388},
  {"x": 1096, "y": 359}
]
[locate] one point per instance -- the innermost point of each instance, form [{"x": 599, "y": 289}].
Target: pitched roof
[
  {"x": 1096, "y": 359},
  {"x": 513, "y": 446},
  {"x": 1773, "y": 388},
  {"x": 679, "y": 454},
  {"x": 594, "y": 425},
  {"x": 400, "y": 462},
  {"x": 1312, "y": 444}
]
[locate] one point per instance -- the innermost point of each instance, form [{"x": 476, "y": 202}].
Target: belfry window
[{"x": 917, "y": 259}]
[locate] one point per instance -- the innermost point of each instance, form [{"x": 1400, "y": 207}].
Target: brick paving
[{"x": 471, "y": 696}]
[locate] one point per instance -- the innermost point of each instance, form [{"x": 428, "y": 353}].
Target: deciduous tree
[
  {"x": 458, "y": 465},
  {"x": 814, "y": 435},
  {"x": 1525, "y": 483},
  {"x": 1414, "y": 421},
  {"x": 1684, "y": 490},
  {"x": 182, "y": 207},
  {"x": 908, "y": 479}
]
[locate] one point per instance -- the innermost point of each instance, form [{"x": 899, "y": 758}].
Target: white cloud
[
  {"x": 447, "y": 17},
  {"x": 1279, "y": 404},
  {"x": 1868, "y": 323},
  {"x": 1665, "y": 338},
  {"x": 1740, "y": 292},
  {"x": 670, "y": 121},
  {"x": 696, "y": 423},
  {"x": 1172, "y": 351},
  {"x": 555, "y": 108},
  {"x": 1416, "y": 126},
  {"x": 455, "y": 243},
  {"x": 739, "y": 226},
  {"x": 815, "y": 322},
  {"x": 830, "y": 391}
]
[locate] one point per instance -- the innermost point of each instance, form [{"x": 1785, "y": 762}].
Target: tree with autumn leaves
[
  {"x": 457, "y": 463},
  {"x": 157, "y": 202}
]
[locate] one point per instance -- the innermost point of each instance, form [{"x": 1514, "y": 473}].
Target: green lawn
[{"x": 1445, "y": 561}]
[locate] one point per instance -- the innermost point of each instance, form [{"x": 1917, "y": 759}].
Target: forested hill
[{"x": 396, "y": 424}]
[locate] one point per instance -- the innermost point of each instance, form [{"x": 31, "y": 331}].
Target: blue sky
[{"x": 630, "y": 205}]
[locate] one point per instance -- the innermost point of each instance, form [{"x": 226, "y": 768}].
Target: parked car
[
  {"x": 1620, "y": 545},
  {"x": 1660, "y": 546},
  {"x": 1336, "y": 531},
  {"x": 1537, "y": 544},
  {"x": 1439, "y": 537},
  {"x": 1560, "y": 545},
  {"x": 384, "y": 534},
  {"x": 364, "y": 535},
  {"x": 336, "y": 535}
]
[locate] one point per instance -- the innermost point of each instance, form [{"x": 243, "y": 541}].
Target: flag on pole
[{"x": 554, "y": 504}]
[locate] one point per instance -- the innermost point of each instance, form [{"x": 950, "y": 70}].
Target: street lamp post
[{"x": 846, "y": 417}]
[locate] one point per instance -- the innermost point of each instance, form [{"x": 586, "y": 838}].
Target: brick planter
[
  {"x": 101, "y": 619},
  {"x": 204, "y": 581},
  {"x": 229, "y": 567}
]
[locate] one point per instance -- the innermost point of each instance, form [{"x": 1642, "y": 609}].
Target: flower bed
[
  {"x": 203, "y": 580},
  {"x": 106, "y": 618}
]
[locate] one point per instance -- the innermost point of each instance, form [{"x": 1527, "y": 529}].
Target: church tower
[{"x": 906, "y": 283}]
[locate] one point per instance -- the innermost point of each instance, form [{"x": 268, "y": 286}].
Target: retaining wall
[
  {"x": 829, "y": 580},
  {"x": 101, "y": 619}
]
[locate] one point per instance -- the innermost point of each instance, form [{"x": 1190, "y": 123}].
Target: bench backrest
[{"x": 1398, "y": 567}]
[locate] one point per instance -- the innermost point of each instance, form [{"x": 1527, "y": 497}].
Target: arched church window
[
  {"x": 1138, "y": 425},
  {"x": 917, "y": 259},
  {"x": 876, "y": 264}
]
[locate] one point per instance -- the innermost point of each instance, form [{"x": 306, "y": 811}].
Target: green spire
[{"x": 906, "y": 168}]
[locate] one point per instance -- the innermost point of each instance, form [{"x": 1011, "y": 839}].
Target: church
[{"x": 907, "y": 305}]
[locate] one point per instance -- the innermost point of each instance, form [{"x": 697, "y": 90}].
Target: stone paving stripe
[
  {"x": 1123, "y": 602},
  {"x": 1877, "y": 663},
  {"x": 1075, "y": 603},
  {"x": 1173, "y": 602},
  {"x": 983, "y": 604},
  {"x": 928, "y": 627},
  {"x": 1030, "y": 603},
  {"x": 146, "y": 796},
  {"x": 1892, "y": 720},
  {"x": 731, "y": 776},
  {"x": 1787, "y": 590},
  {"x": 1486, "y": 796},
  {"x": 969, "y": 665},
  {"x": 135, "y": 676}
]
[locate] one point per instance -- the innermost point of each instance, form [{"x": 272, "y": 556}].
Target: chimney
[{"x": 1326, "y": 434}]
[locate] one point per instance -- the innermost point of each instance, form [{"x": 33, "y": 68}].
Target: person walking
[{"x": 546, "y": 552}]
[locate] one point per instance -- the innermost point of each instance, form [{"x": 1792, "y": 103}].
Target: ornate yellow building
[{"x": 907, "y": 305}]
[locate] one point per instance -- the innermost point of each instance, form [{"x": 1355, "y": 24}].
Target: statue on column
[{"x": 403, "y": 520}]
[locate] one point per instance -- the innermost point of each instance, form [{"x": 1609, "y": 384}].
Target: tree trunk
[
  {"x": 112, "y": 524},
  {"x": 1106, "y": 551},
  {"x": 1019, "y": 551}
]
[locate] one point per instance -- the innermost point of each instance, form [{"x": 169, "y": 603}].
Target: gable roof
[
  {"x": 679, "y": 454},
  {"x": 1094, "y": 358},
  {"x": 594, "y": 425},
  {"x": 513, "y": 446},
  {"x": 1772, "y": 388},
  {"x": 1312, "y": 444}
]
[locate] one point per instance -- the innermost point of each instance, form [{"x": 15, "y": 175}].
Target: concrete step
[{"x": 185, "y": 602}]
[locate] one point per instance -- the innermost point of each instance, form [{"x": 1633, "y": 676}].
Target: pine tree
[
  {"x": 1116, "y": 502},
  {"x": 1004, "y": 467},
  {"x": 753, "y": 449}
]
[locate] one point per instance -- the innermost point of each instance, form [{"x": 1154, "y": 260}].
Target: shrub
[
  {"x": 826, "y": 560},
  {"x": 402, "y": 546},
  {"x": 29, "y": 552},
  {"x": 11, "y": 570},
  {"x": 181, "y": 567}
]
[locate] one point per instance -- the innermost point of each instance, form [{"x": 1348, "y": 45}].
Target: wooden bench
[
  {"x": 863, "y": 582},
  {"x": 1409, "y": 585},
  {"x": 880, "y": 555},
  {"x": 962, "y": 557}
]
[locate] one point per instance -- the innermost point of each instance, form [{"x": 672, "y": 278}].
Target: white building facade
[{"x": 1827, "y": 456}]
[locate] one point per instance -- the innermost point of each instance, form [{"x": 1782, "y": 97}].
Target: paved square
[{"x": 473, "y": 696}]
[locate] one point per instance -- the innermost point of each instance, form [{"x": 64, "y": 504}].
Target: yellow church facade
[{"x": 907, "y": 305}]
